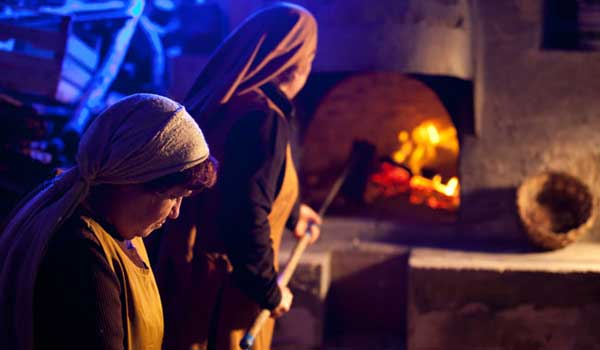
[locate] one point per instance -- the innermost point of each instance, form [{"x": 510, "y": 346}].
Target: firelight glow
[{"x": 417, "y": 149}]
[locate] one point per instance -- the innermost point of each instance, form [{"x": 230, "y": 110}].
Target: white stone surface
[{"x": 579, "y": 257}]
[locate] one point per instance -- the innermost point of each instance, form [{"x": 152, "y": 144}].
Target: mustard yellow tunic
[{"x": 142, "y": 306}]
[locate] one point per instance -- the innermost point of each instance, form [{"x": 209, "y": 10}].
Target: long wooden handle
[
  {"x": 283, "y": 279},
  {"x": 288, "y": 271},
  {"x": 248, "y": 339}
]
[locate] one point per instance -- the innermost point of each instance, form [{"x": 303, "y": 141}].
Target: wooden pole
[
  {"x": 284, "y": 277},
  {"x": 282, "y": 280}
]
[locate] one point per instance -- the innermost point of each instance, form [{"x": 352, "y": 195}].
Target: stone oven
[
  {"x": 519, "y": 105},
  {"x": 413, "y": 139}
]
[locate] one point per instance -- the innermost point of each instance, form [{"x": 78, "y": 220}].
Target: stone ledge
[
  {"x": 467, "y": 300},
  {"x": 344, "y": 286},
  {"x": 579, "y": 257},
  {"x": 303, "y": 326}
]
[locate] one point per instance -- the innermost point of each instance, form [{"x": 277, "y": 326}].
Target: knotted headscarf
[
  {"x": 140, "y": 138},
  {"x": 263, "y": 46}
]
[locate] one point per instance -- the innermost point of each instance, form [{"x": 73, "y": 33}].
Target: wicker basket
[{"x": 555, "y": 208}]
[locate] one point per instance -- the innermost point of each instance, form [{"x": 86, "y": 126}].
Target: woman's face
[
  {"x": 297, "y": 77},
  {"x": 137, "y": 212}
]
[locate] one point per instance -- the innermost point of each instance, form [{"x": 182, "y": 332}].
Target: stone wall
[
  {"x": 536, "y": 110},
  {"x": 419, "y": 36}
]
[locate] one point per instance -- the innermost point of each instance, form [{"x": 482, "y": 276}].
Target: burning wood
[{"x": 404, "y": 172}]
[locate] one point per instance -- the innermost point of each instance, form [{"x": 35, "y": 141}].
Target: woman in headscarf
[
  {"x": 219, "y": 263},
  {"x": 74, "y": 273}
]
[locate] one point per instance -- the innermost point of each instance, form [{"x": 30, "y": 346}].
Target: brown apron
[
  {"x": 203, "y": 307},
  {"x": 141, "y": 304}
]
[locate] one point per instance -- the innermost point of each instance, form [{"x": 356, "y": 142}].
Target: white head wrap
[{"x": 140, "y": 138}]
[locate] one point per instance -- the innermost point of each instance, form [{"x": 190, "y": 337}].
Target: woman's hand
[
  {"x": 285, "y": 304},
  {"x": 308, "y": 219}
]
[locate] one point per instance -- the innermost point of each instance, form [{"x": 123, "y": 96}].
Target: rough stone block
[
  {"x": 368, "y": 289},
  {"x": 465, "y": 300},
  {"x": 303, "y": 326},
  {"x": 348, "y": 293}
]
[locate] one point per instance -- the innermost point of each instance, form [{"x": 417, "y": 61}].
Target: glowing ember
[{"x": 419, "y": 149}]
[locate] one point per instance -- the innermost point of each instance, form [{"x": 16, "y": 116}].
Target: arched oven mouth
[{"x": 405, "y": 134}]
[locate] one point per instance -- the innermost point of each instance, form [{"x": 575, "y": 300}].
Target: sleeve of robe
[
  {"x": 77, "y": 297},
  {"x": 251, "y": 178}
]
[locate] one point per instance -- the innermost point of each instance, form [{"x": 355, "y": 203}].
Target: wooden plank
[
  {"x": 82, "y": 53},
  {"x": 26, "y": 63},
  {"x": 44, "y": 39},
  {"x": 29, "y": 74},
  {"x": 66, "y": 29},
  {"x": 75, "y": 73},
  {"x": 67, "y": 92},
  {"x": 35, "y": 84},
  {"x": 41, "y": 73}
]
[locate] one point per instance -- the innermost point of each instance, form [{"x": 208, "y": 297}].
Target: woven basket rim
[{"x": 543, "y": 237}]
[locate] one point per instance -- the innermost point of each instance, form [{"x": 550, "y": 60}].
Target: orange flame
[{"x": 418, "y": 149}]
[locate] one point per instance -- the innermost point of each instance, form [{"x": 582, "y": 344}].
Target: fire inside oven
[
  {"x": 409, "y": 148},
  {"x": 416, "y": 168}
]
